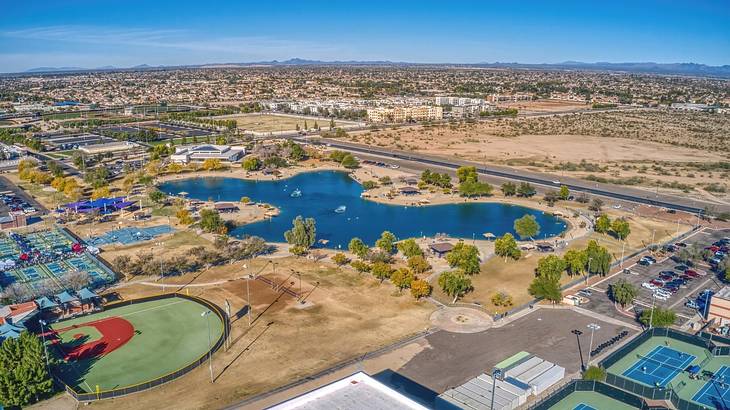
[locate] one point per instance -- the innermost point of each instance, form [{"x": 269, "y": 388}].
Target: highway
[{"x": 546, "y": 180}]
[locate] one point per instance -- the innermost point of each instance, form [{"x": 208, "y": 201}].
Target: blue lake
[{"x": 324, "y": 191}]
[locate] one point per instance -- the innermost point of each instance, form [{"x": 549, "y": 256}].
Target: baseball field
[{"x": 131, "y": 345}]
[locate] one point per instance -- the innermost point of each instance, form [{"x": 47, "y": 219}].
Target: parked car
[
  {"x": 681, "y": 244},
  {"x": 649, "y": 286},
  {"x": 692, "y": 304},
  {"x": 585, "y": 292},
  {"x": 656, "y": 282},
  {"x": 692, "y": 273}
]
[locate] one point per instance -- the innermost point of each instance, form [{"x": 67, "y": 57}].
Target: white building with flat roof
[
  {"x": 199, "y": 153},
  {"x": 356, "y": 392}
]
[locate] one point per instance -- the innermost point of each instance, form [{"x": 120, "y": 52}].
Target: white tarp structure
[{"x": 477, "y": 394}]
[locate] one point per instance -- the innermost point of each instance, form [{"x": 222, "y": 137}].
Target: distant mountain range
[{"x": 687, "y": 69}]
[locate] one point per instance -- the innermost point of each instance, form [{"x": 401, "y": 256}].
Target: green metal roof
[{"x": 512, "y": 360}]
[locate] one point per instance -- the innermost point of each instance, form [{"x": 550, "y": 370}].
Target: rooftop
[{"x": 355, "y": 392}]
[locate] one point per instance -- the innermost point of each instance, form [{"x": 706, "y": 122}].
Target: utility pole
[{"x": 651, "y": 312}]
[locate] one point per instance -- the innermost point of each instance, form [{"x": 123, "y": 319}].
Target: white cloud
[{"x": 175, "y": 39}]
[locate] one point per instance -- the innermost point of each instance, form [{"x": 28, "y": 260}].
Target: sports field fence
[{"x": 108, "y": 394}]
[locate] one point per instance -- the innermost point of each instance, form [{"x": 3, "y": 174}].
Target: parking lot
[
  {"x": 640, "y": 274},
  {"x": 15, "y": 199}
]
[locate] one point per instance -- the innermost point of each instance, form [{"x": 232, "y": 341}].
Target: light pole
[
  {"x": 206, "y": 315},
  {"x": 593, "y": 327},
  {"x": 651, "y": 312},
  {"x": 623, "y": 247},
  {"x": 45, "y": 348},
  {"x": 496, "y": 374},
  {"x": 248, "y": 298},
  {"x": 577, "y": 334}
]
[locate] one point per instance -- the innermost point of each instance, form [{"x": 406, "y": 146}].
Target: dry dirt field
[
  {"x": 274, "y": 123},
  {"x": 352, "y": 314},
  {"x": 672, "y": 151},
  {"x": 514, "y": 277}
]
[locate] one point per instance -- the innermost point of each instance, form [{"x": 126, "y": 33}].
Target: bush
[
  {"x": 594, "y": 373},
  {"x": 420, "y": 289},
  {"x": 360, "y": 266},
  {"x": 340, "y": 259}
]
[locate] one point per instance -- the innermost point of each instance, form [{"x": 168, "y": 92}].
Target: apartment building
[{"x": 403, "y": 114}]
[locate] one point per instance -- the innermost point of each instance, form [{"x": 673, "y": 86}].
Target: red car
[
  {"x": 713, "y": 248},
  {"x": 657, "y": 282},
  {"x": 691, "y": 273}
]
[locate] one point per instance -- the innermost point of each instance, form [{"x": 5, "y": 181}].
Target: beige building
[
  {"x": 403, "y": 114},
  {"x": 720, "y": 307}
]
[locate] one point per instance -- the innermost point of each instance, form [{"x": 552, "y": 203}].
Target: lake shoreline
[{"x": 570, "y": 224}]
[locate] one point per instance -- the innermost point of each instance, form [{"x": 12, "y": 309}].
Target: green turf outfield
[
  {"x": 169, "y": 334},
  {"x": 592, "y": 400}
]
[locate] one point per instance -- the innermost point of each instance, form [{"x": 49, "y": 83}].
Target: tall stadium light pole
[
  {"x": 593, "y": 327},
  {"x": 45, "y": 348},
  {"x": 623, "y": 247},
  {"x": 496, "y": 373},
  {"x": 206, "y": 315},
  {"x": 577, "y": 334}
]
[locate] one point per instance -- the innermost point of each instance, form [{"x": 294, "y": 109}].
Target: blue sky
[{"x": 126, "y": 33}]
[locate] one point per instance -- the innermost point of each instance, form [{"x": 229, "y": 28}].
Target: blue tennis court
[
  {"x": 659, "y": 367},
  {"x": 128, "y": 236},
  {"x": 583, "y": 406},
  {"x": 714, "y": 394}
]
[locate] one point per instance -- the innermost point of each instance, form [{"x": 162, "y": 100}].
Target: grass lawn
[
  {"x": 272, "y": 123},
  {"x": 514, "y": 277},
  {"x": 168, "y": 335}
]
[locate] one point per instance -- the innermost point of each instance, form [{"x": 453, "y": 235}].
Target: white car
[
  {"x": 649, "y": 286},
  {"x": 662, "y": 292},
  {"x": 661, "y": 297},
  {"x": 556, "y": 182}
]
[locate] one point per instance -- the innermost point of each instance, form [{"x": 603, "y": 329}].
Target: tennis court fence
[
  {"x": 108, "y": 394},
  {"x": 594, "y": 386}
]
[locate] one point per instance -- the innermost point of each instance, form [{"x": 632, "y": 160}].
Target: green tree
[
  {"x": 386, "y": 243},
  {"x": 545, "y": 288},
  {"x": 418, "y": 264},
  {"x": 358, "y": 247},
  {"x": 466, "y": 173},
  {"x": 409, "y": 248},
  {"x": 603, "y": 224},
  {"x": 24, "y": 378},
  {"x": 303, "y": 232},
  {"x": 157, "y": 196},
  {"x": 360, "y": 266},
  {"x": 595, "y": 373},
  {"x": 526, "y": 190},
  {"x": 527, "y": 226},
  {"x": 622, "y": 292},
  {"x": 455, "y": 284},
  {"x": 660, "y": 318},
  {"x": 621, "y": 228},
  {"x": 251, "y": 163},
  {"x": 381, "y": 270},
  {"x": 509, "y": 189},
  {"x": 564, "y": 193},
  {"x": 599, "y": 259},
  {"x": 551, "y": 267},
  {"x": 472, "y": 187},
  {"x": 465, "y": 258},
  {"x": 350, "y": 162},
  {"x": 575, "y": 261},
  {"x": 367, "y": 185},
  {"x": 507, "y": 246},
  {"x": 402, "y": 278},
  {"x": 211, "y": 221}
]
